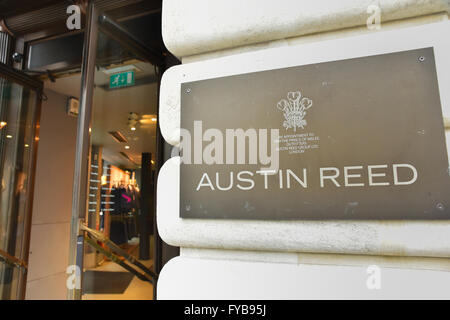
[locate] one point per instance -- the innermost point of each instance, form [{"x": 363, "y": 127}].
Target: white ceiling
[
  {"x": 111, "y": 109},
  {"x": 69, "y": 85}
]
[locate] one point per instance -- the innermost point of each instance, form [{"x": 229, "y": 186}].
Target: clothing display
[
  {"x": 118, "y": 232},
  {"x": 126, "y": 199},
  {"x": 123, "y": 206}
]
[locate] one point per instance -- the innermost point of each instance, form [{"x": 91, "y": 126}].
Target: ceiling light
[
  {"x": 26, "y": 146},
  {"x": 118, "y": 136},
  {"x": 3, "y": 124},
  {"x": 123, "y": 154},
  {"x": 127, "y": 147},
  {"x": 133, "y": 116},
  {"x": 133, "y": 128},
  {"x": 148, "y": 119},
  {"x": 8, "y": 137}
]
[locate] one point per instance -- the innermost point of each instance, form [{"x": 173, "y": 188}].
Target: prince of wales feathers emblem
[{"x": 294, "y": 110}]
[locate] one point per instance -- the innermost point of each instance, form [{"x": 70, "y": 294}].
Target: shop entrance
[
  {"x": 120, "y": 176},
  {"x": 89, "y": 229},
  {"x": 116, "y": 156}
]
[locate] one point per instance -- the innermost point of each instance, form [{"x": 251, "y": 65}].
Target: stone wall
[{"x": 222, "y": 258}]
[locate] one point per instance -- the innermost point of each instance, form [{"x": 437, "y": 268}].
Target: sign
[
  {"x": 73, "y": 106},
  {"x": 120, "y": 80},
  {"x": 353, "y": 139}
]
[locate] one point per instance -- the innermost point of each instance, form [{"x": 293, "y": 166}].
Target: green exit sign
[{"x": 120, "y": 80}]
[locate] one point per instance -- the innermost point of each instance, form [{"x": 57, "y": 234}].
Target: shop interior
[{"x": 120, "y": 197}]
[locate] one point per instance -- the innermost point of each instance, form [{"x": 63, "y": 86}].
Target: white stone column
[{"x": 231, "y": 259}]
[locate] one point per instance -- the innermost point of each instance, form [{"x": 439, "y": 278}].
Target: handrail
[
  {"x": 147, "y": 274},
  {"x": 115, "y": 258},
  {"x": 9, "y": 259}
]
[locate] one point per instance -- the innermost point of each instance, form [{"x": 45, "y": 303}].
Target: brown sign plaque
[{"x": 357, "y": 139}]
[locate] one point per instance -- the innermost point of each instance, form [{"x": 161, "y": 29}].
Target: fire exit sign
[{"x": 120, "y": 80}]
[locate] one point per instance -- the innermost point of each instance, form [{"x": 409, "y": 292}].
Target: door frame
[
  {"x": 95, "y": 22},
  {"x": 16, "y": 76}
]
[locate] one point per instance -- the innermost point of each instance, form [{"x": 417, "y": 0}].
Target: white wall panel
[
  {"x": 202, "y": 279},
  {"x": 197, "y": 26}
]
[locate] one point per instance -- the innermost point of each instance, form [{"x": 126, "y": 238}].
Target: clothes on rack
[
  {"x": 126, "y": 199},
  {"x": 123, "y": 204}
]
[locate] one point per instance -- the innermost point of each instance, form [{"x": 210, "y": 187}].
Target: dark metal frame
[
  {"x": 76, "y": 251},
  {"x": 13, "y": 75},
  {"x": 30, "y": 196},
  {"x": 158, "y": 263},
  {"x": 20, "y": 77}
]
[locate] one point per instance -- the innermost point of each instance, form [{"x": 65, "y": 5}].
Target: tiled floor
[{"x": 137, "y": 290}]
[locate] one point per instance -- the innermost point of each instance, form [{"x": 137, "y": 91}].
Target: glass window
[
  {"x": 121, "y": 169},
  {"x": 17, "y": 110}
]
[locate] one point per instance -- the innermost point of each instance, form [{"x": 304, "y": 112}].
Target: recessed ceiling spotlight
[
  {"x": 118, "y": 136},
  {"x": 133, "y": 128},
  {"x": 127, "y": 147},
  {"x": 3, "y": 124},
  {"x": 133, "y": 116},
  {"x": 148, "y": 119},
  {"x": 9, "y": 136}
]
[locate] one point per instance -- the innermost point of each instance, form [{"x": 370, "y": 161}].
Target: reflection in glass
[
  {"x": 17, "y": 107},
  {"x": 120, "y": 180}
]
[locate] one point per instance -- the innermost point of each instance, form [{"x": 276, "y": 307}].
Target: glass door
[
  {"x": 115, "y": 166},
  {"x": 19, "y": 114}
]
